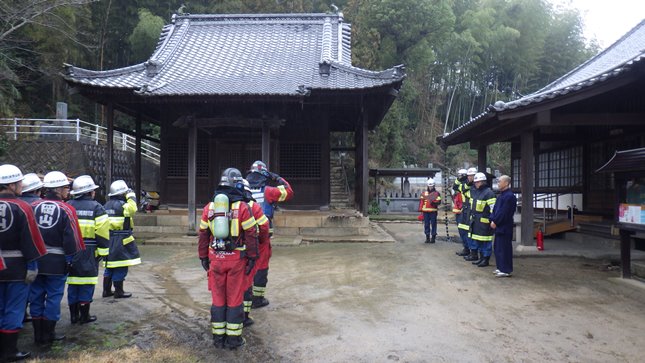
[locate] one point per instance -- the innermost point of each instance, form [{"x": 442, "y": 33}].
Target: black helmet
[{"x": 230, "y": 177}]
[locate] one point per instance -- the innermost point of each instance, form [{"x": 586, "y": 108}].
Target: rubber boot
[
  {"x": 427, "y": 238},
  {"x": 481, "y": 258},
  {"x": 85, "y": 314},
  {"x": 10, "y": 352},
  {"x": 248, "y": 321},
  {"x": 474, "y": 256},
  {"x": 107, "y": 286},
  {"x": 258, "y": 302},
  {"x": 463, "y": 253},
  {"x": 73, "y": 313},
  {"x": 434, "y": 238},
  {"x": 484, "y": 262},
  {"x": 118, "y": 291},
  {"x": 39, "y": 339},
  {"x": 219, "y": 340},
  {"x": 234, "y": 342},
  {"x": 49, "y": 332}
]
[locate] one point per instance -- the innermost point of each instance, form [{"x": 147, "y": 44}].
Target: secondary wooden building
[{"x": 562, "y": 133}]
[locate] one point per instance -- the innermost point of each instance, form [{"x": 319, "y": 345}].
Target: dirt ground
[{"x": 341, "y": 302}]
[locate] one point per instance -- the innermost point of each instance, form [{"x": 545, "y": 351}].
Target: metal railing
[{"x": 29, "y": 129}]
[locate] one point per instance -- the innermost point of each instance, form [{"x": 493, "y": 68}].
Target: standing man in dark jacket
[
  {"x": 95, "y": 228},
  {"x": 481, "y": 206},
  {"x": 21, "y": 244},
  {"x": 59, "y": 227},
  {"x": 501, "y": 220}
]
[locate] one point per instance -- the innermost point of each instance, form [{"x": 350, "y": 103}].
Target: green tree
[{"x": 145, "y": 35}]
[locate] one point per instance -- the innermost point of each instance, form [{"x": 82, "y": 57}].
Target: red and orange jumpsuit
[{"x": 226, "y": 274}]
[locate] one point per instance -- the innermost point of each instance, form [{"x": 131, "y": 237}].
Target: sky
[{"x": 607, "y": 20}]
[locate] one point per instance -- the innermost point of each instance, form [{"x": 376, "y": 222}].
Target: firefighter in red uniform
[
  {"x": 59, "y": 227},
  {"x": 267, "y": 196},
  {"x": 228, "y": 248},
  {"x": 430, "y": 200},
  {"x": 263, "y": 238},
  {"x": 21, "y": 244}
]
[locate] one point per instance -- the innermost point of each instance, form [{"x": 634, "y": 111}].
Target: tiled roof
[
  {"x": 613, "y": 61},
  {"x": 625, "y": 161},
  {"x": 276, "y": 54}
]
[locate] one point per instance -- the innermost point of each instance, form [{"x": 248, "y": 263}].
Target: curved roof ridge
[
  {"x": 73, "y": 71},
  {"x": 396, "y": 72}
]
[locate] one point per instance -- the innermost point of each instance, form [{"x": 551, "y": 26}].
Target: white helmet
[
  {"x": 55, "y": 179},
  {"x": 471, "y": 171},
  {"x": 10, "y": 174},
  {"x": 462, "y": 172},
  {"x": 246, "y": 184},
  {"x": 430, "y": 182},
  {"x": 480, "y": 177},
  {"x": 83, "y": 184},
  {"x": 118, "y": 187},
  {"x": 31, "y": 182}
]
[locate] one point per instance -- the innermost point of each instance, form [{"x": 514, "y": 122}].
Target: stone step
[{"x": 160, "y": 229}]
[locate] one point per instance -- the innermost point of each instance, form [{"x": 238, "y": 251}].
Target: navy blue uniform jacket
[{"x": 503, "y": 212}]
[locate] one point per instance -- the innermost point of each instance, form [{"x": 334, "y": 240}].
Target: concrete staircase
[{"x": 340, "y": 197}]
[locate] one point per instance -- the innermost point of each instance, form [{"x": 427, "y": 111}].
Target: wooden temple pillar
[
  {"x": 482, "y": 156},
  {"x": 362, "y": 169},
  {"x": 109, "y": 156},
  {"x": 137, "y": 158},
  {"x": 192, "y": 176},
  {"x": 325, "y": 167},
  {"x": 266, "y": 144},
  {"x": 527, "y": 185}
]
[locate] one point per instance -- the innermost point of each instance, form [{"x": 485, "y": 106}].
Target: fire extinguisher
[{"x": 539, "y": 236}]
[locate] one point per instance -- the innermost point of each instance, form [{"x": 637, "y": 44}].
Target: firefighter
[
  {"x": 21, "y": 244},
  {"x": 428, "y": 204},
  {"x": 481, "y": 205},
  {"x": 267, "y": 196},
  {"x": 228, "y": 249},
  {"x": 457, "y": 208},
  {"x": 464, "y": 223},
  {"x": 31, "y": 188},
  {"x": 123, "y": 251},
  {"x": 59, "y": 227},
  {"x": 263, "y": 238},
  {"x": 95, "y": 228}
]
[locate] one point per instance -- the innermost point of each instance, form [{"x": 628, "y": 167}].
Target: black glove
[
  {"x": 206, "y": 264},
  {"x": 274, "y": 176},
  {"x": 68, "y": 267},
  {"x": 249, "y": 266}
]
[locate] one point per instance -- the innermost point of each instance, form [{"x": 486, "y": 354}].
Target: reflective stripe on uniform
[
  {"x": 88, "y": 228},
  {"x": 283, "y": 193},
  {"x": 258, "y": 291},
  {"x": 463, "y": 226},
  {"x": 484, "y": 220},
  {"x": 480, "y": 238},
  {"x": 77, "y": 280},
  {"x": 218, "y": 328},
  {"x": 234, "y": 330},
  {"x": 124, "y": 263},
  {"x": 128, "y": 240},
  {"x": 249, "y": 223},
  {"x": 103, "y": 251},
  {"x": 55, "y": 250},
  {"x": 262, "y": 221},
  {"x": 247, "y": 306}
]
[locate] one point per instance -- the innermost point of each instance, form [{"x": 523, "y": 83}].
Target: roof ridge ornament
[{"x": 152, "y": 67}]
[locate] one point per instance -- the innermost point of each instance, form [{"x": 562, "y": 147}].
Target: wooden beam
[
  {"x": 599, "y": 119},
  {"x": 137, "y": 158},
  {"x": 109, "y": 153},
  {"x": 364, "y": 163},
  {"x": 192, "y": 177},
  {"x": 527, "y": 185},
  {"x": 626, "y": 253},
  {"x": 482, "y": 155},
  {"x": 266, "y": 144}
]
